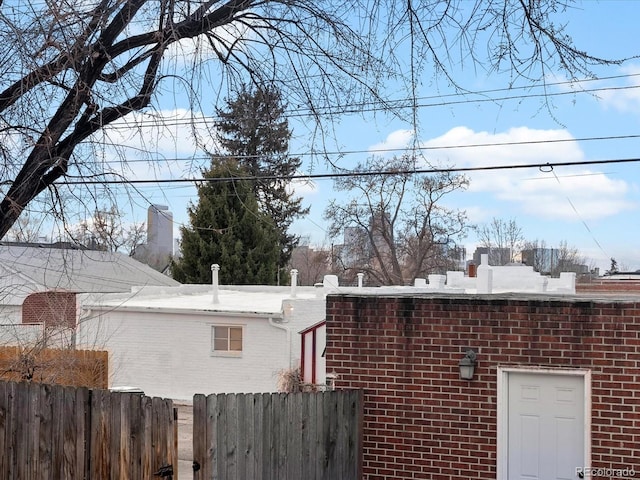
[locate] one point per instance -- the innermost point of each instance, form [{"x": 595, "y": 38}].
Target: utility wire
[
  {"x": 415, "y": 148},
  {"x": 320, "y": 176},
  {"x": 582, "y": 220},
  {"x": 421, "y": 102}
]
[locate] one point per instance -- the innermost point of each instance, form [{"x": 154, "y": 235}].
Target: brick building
[
  {"x": 556, "y": 387},
  {"x": 178, "y": 341}
]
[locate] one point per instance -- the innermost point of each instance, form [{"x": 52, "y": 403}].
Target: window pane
[
  {"x": 235, "y": 333},
  {"x": 226, "y": 339},
  {"x": 221, "y": 333},
  {"x": 235, "y": 340}
]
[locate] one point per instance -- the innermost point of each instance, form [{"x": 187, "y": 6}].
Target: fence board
[
  {"x": 231, "y": 437},
  {"x": 199, "y": 431},
  {"x": 166, "y": 427},
  {"x": 59, "y": 422},
  {"x": 74, "y": 433},
  {"x": 246, "y": 432},
  {"x": 147, "y": 452},
  {"x": 316, "y": 427},
  {"x": 171, "y": 435},
  {"x": 50, "y": 419},
  {"x": 294, "y": 436},
  {"x": 174, "y": 449},
  {"x": 55, "y": 366},
  {"x": 4, "y": 430},
  {"x": 73, "y": 412},
  {"x": 114, "y": 421},
  {"x": 136, "y": 436},
  {"x": 125, "y": 437},
  {"x": 267, "y": 446},
  {"x": 211, "y": 446},
  {"x": 254, "y": 429},
  {"x": 100, "y": 440},
  {"x": 278, "y": 436},
  {"x": 21, "y": 409},
  {"x": 279, "y": 409},
  {"x": 155, "y": 435}
]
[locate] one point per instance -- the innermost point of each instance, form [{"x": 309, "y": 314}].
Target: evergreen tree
[
  {"x": 252, "y": 128},
  {"x": 227, "y": 228}
]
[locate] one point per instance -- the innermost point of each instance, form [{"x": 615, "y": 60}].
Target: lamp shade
[{"x": 467, "y": 365}]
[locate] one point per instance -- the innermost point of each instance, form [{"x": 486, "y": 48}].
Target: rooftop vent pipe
[
  {"x": 215, "y": 268},
  {"x": 294, "y": 282}
]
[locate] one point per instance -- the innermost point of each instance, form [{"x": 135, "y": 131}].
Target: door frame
[{"x": 502, "y": 441}]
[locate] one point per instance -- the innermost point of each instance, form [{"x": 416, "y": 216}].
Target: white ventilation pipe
[
  {"x": 360, "y": 279},
  {"x": 294, "y": 282},
  {"x": 484, "y": 276},
  {"x": 215, "y": 268}
]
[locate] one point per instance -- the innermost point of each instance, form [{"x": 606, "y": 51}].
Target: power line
[
  {"x": 415, "y": 148},
  {"x": 403, "y": 103},
  {"x": 582, "y": 220},
  {"x": 409, "y": 100},
  {"x": 320, "y": 176}
]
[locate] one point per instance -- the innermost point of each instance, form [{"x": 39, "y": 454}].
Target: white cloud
[
  {"x": 624, "y": 100},
  {"x": 396, "y": 140},
  {"x": 169, "y": 144},
  {"x": 585, "y": 195},
  {"x": 569, "y": 193},
  {"x": 303, "y": 187}
]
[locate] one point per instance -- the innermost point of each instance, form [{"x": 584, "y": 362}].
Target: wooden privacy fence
[
  {"x": 87, "y": 368},
  {"x": 281, "y": 436},
  {"x": 68, "y": 433}
]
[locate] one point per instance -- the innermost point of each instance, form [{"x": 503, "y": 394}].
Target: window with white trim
[{"x": 226, "y": 340}]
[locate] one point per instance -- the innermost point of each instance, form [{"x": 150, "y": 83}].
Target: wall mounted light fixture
[{"x": 467, "y": 365}]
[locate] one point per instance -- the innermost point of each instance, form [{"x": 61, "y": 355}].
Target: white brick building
[{"x": 175, "y": 342}]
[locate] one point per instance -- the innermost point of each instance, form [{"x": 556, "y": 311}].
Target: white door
[{"x": 545, "y": 426}]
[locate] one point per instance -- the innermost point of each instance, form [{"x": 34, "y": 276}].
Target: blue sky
[{"x": 593, "y": 208}]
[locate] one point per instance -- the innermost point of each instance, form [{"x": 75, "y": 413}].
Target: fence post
[{"x": 87, "y": 436}]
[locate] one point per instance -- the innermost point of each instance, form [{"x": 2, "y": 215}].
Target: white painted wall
[
  {"x": 17, "y": 334},
  {"x": 10, "y": 314},
  {"x": 168, "y": 353}
]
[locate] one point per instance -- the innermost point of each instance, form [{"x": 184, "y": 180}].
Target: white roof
[
  {"x": 34, "y": 268},
  {"x": 270, "y": 301},
  {"x": 258, "y": 300}
]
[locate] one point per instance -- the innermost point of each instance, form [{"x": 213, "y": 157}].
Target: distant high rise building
[
  {"x": 497, "y": 256},
  {"x": 160, "y": 229},
  {"x": 158, "y": 250}
]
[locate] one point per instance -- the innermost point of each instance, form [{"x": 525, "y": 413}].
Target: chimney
[
  {"x": 473, "y": 270},
  {"x": 215, "y": 268},
  {"x": 360, "y": 279}
]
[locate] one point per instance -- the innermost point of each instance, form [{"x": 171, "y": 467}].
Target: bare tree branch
[
  {"x": 395, "y": 227},
  {"x": 68, "y": 71}
]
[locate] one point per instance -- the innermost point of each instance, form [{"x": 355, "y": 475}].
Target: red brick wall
[
  {"x": 608, "y": 286},
  {"x": 54, "y": 309},
  {"x": 422, "y": 421}
]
